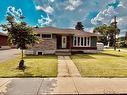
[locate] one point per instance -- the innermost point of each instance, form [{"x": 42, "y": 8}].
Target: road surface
[{"x": 8, "y": 54}]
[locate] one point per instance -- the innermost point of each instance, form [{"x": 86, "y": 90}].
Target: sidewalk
[{"x": 60, "y": 85}]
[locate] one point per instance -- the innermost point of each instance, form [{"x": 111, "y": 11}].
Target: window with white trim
[
  {"x": 74, "y": 41},
  {"x": 81, "y": 41}
]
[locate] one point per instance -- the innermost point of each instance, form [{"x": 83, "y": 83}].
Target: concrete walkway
[
  {"x": 66, "y": 67},
  {"x": 62, "y": 85}
]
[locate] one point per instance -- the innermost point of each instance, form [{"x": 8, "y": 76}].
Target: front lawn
[
  {"x": 124, "y": 48},
  {"x": 36, "y": 66},
  {"x": 109, "y": 63}
]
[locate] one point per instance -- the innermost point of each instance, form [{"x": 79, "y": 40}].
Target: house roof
[
  {"x": 3, "y": 34},
  {"x": 54, "y": 30}
]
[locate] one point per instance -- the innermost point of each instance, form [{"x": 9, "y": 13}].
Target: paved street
[
  {"x": 8, "y": 54},
  {"x": 62, "y": 85}
]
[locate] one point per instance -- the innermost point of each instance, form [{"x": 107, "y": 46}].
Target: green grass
[
  {"x": 36, "y": 66},
  {"x": 106, "y": 64},
  {"x": 124, "y": 48}
]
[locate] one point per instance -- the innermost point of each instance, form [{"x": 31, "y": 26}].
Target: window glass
[
  {"x": 81, "y": 41},
  {"x": 88, "y": 41},
  {"x": 38, "y": 35},
  {"x": 84, "y": 41},
  {"x": 45, "y": 36},
  {"x": 74, "y": 41},
  {"x": 64, "y": 40},
  {"x": 78, "y": 41}
]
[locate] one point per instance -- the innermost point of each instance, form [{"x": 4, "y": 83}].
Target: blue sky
[{"x": 65, "y": 13}]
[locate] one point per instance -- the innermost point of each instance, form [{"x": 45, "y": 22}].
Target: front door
[{"x": 64, "y": 42}]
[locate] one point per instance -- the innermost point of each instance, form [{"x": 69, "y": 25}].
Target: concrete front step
[{"x": 62, "y": 54}]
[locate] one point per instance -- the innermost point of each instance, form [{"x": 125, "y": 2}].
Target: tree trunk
[
  {"x": 114, "y": 47},
  {"x": 22, "y": 54},
  {"x": 115, "y": 42}
]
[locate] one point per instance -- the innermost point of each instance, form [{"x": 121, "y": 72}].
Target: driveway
[{"x": 8, "y": 54}]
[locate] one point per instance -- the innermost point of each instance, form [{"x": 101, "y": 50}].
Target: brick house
[
  {"x": 3, "y": 40},
  {"x": 63, "y": 41}
]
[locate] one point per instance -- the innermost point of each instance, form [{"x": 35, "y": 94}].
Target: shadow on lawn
[
  {"x": 112, "y": 55},
  {"x": 41, "y": 57},
  {"x": 89, "y": 56},
  {"x": 83, "y": 56},
  {"x": 24, "y": 75}
]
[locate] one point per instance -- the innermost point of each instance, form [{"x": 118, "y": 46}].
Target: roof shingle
[
  {"x": 54, "y": 30},
  {"x": 3, "y": 34}
]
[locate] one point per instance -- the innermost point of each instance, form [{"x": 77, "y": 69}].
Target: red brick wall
[
  {"x": 3, "y": 40},
  {"x": 46, "y": 44}
]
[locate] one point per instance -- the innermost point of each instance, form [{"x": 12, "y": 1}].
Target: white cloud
[
  {"x": 66, "y": 13},
  {"x": 69, "y": 7},
  {"x": 73, "y": 4},
  {"x": 14, "y": 12},
  {"x": 121, "y": 9},
  {"x": 104, "y": 16},
  {"x": 62, "y": 17},
  {"x": 44, "y": 20},
  {"x": 122, "y": 22},
  {"x": 121, "y": 4},
  {"x": 89, "y": 29},
  {"x": 47, "y": 9},
  {"x": 0, "y": 29},
  {"x": 51, "y": 0},
  {"x": 112, "y": 1}
]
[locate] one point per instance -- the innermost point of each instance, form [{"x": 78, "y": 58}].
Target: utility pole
[
  {"x": 114, "y": 23},
  {"x": 115, "y": 32}
]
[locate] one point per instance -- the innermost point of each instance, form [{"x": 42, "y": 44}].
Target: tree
[
  {"x": 19, "y": 33},
  {"x": 108, "y": 34},
  {"x": 79, "y": 26},
  {"x": 113, "y": 32},
  {"x": 104, "y": 32}
]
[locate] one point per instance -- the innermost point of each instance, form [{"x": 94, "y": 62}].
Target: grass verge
[
  {"x": 109, "y": 63},
  {"x": 36, "y": 66}
]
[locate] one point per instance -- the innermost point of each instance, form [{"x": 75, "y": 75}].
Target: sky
[{"x": 66, "y": 13}]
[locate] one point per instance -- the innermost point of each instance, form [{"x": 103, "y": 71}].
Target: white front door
[{"x": 64, "y": 41}]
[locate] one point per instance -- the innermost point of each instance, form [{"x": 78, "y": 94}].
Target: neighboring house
[
  {"x": 122, "y": 41},
  {"x": 3, "y": 40},
  {"x": 63, "y": 41}
]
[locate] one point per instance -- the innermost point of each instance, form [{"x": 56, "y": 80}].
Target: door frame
[{"x": 64, "y": 41}]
